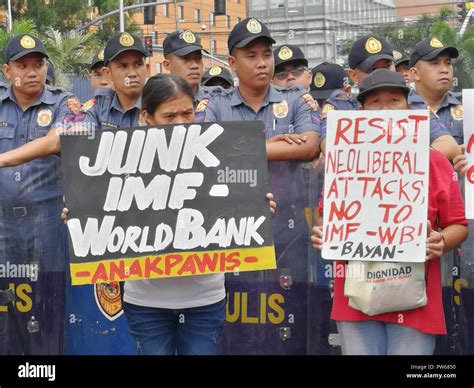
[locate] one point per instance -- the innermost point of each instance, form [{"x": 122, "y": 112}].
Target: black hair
[{"x": 163, "y": 87}]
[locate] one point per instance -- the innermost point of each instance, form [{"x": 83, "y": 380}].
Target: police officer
[
  {"x": 31, "y": 232},
  {"x": 291, "y": 67},
  {"x": 329, "y": 80},
  {"x": 183, "y": 56},
  {"x": 97, "y": 78},
  {"x": 124, "y": 60},
  {"x": 218, "y": 76},
  {"x": 401, "y": 66},
  {"x": 432, "y": 72},
  {"x": 284, "y": 112},
  {"x": 366, "y": 55},
  {"x": 291, "y": 129}
]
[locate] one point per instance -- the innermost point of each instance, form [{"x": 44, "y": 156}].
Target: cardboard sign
[
  {"x": 153, "y": 202},
  {"x": 468, "y": 126},
  {"x": 376, "y": 185}
]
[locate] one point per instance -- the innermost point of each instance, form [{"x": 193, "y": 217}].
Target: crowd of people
[{"x": 272, "y": 85}]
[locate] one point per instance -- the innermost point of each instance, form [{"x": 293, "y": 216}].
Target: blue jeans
[
  {"x": 383, "y": 338},
  {"x": 191, "y": 331}
]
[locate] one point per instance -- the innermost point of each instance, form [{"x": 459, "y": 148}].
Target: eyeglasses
[{"x": 296, "y": 71}]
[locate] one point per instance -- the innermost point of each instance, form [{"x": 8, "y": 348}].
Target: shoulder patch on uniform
[
  {"x": 202, "y": 105},
  {"x": 342, "y": 96},
  {"x": 74, "y": 105},
  {"x": 88, "y": 105},
  {"x": 308, "y": 98},
  {"x": 457, "y": 112},
  {"x": 326, "y": 109}
]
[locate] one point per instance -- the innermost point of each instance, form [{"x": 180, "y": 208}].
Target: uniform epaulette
[
  {"x": 57, "y": 89},
  {"x": 107, "y": 92},
  {"x": 88, "y": 105}
]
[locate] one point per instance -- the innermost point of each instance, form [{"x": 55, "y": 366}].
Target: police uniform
[
  {"x": 104, "y": 111},
  {"x": 282, "y": 111},
  {"x": 450, "y": 113},
  {"x": 363, "y": 55},
  {"x": 31, "y": 231}
]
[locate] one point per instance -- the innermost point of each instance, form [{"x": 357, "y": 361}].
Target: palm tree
[
  {"x": 70, "y": 52},
  {"x": 19, "y": 27}
]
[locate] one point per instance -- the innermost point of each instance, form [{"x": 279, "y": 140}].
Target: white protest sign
[
  {"x": 376, "y": 185},
  {"x": 468, "y": 125}
]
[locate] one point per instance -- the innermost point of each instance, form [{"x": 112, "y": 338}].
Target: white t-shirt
[{"x": 176, "y": 293}]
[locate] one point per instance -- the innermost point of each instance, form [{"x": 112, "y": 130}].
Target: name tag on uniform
[{"x": 108, "y": 124}]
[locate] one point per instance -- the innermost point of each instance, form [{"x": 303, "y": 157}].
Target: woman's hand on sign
[
  {"x": 271, "y": 203},
  {"x": 290, "y": 138},
  {"x": 460, "y": 162},
  {"x": 434, "y": 243},
  {"x": 317, "y": 237},
  {"x": 64, "y": 214}
]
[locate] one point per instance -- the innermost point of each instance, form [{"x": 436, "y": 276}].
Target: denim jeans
[
  {"x": 383, "y": 338},
  {"x": 190, "y": 331}
]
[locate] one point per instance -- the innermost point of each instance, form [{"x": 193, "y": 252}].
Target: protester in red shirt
[{"x": 412, "y": 331}]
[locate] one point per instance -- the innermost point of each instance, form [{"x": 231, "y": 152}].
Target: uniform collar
[
  {"x": 199, "y": 95},
  {"x": 46, "y": 96},
  {"x": 116, "y": 104},
  {"x": 449, "y": 99},
  {"x": 414, "y": 97},
  {"x": 273, "y": 95}
]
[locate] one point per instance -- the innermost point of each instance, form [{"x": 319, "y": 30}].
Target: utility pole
[
  {"x": 122, "y": 20},
  {"x": 466, "y": 21},
  {"x": 9, "y": 24}
]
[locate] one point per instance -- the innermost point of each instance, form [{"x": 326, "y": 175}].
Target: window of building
[
  {"x": 277, "y": 4},
  {"x": 180, "y": 12},
  {"x": 197, "y": 15},
  {"x": 295, "y": 3},
  {"x": 165, "y": 10},
  {"x": 259, "y": 5}
]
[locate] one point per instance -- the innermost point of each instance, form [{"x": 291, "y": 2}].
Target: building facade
[
  {"x": 197, "y": 16},
  {"x": 319, "y": 26}
]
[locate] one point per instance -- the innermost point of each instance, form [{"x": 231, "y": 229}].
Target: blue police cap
[
  {"x": 120, "y": 43},
  {"x": 22, "y": 45},
  {"x": 368, "y": 50},
  {"x": 429, "y": 49},
  {"x": 327, "y": 77},
  {"x": 246, "y": 31},
  {"x": 288, "y": 53},
  {"x": 181, "y": 43}
]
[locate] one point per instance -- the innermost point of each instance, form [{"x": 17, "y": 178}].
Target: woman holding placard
[{"x": 371, "y": 329}]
